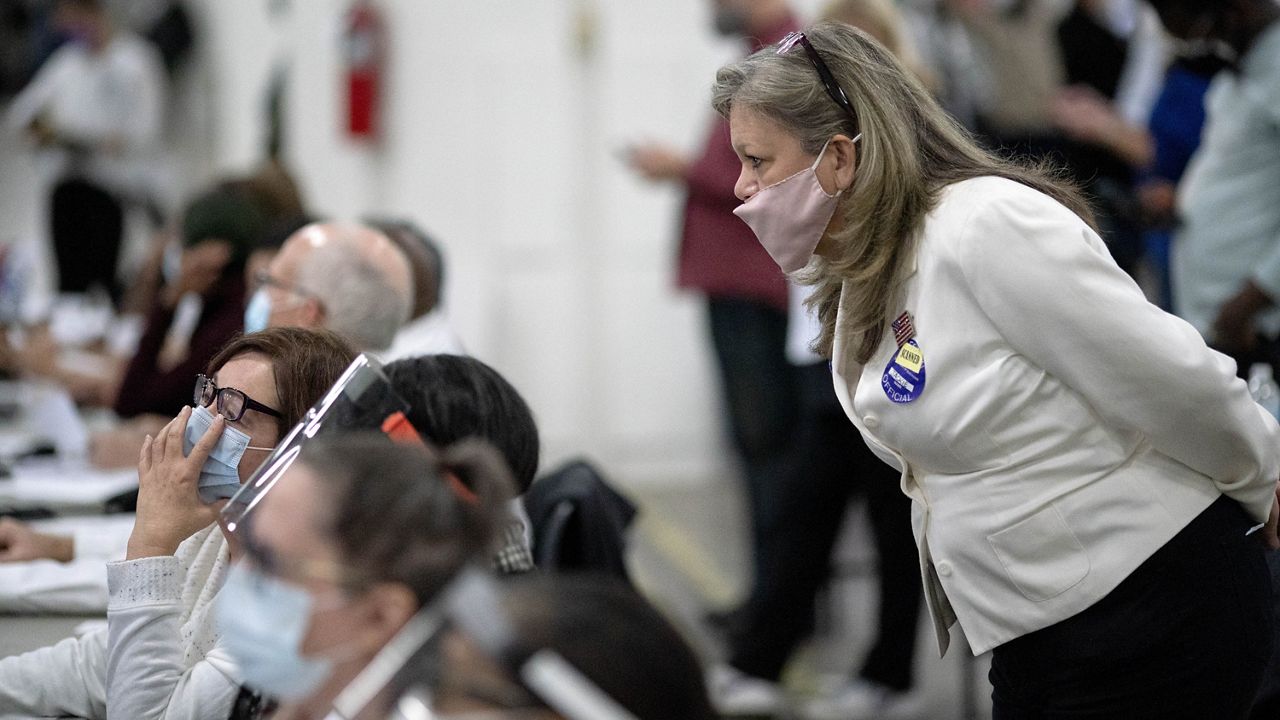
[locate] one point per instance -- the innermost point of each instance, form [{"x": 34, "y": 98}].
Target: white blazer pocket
[{"x": 1041, "y": 555}]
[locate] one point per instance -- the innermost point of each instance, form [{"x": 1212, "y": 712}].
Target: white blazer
[{"x": 1065, "y": 429}]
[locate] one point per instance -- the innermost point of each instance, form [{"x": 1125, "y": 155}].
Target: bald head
[{"x": 346, "y": 277}]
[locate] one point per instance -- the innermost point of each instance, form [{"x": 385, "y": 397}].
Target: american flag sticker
[{"x": 903, "y": 329}]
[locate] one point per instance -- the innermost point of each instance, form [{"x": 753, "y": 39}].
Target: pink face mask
[{"x": 790, "y": 216}]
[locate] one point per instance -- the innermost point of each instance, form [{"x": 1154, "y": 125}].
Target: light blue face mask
[
  {"x": 220, "y": 476},
  {"x": 262, "y": 621},
  {"x": 258, "y": 313}
]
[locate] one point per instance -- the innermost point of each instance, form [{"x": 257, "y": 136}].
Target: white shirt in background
[
  {"x": 1229, "y": 199},
  {"x": 430, "y": 334},
  {"x": 117, "y": 93}
]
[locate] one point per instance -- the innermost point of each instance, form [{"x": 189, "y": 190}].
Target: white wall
[{"x": 503, "y": 120}]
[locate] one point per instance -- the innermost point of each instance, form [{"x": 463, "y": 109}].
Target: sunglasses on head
[{"x": 824, "y": 73}]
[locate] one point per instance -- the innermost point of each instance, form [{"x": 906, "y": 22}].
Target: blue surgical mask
[
  {"x": 220, "y": 476},
  {"x": 258, "y": 314},
  {"x": 262, "y": 621}
]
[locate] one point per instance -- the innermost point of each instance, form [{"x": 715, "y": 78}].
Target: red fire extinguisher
[{"x": 363, "y": 48}]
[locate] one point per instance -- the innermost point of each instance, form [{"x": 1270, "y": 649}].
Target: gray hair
[
  {"x": 910, "y": 150},
  {"x": 360, "y": 303}
]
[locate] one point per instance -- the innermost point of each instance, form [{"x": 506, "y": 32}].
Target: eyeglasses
[
  {"x": 232, "y": 403},
  {"x": 824, "y": 73}
]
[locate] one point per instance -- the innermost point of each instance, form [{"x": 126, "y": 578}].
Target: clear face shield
[
  {"x": 361, "y": 399},
  {"x": 472, "y": 605}
]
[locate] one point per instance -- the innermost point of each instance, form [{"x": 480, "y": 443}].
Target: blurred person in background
[
  {"x": 223, "y": 231},
  {"x": 345, "y": 277},
  {"x": 270, "y": 243},
  {"x": 1018, "y": 43},
  {"x": 948, "y": 51},
  {"x": 832, "y": 464},
  {"x": 746, "y": 295},
  {"x": 1158, "y": 152},
  {"x": 606, "y": 634},
  {"x": 95, "y": 113},
  {"x": 428, "y": 330},
  {"x": 1176, "y": 124},
  {"x": 201, "y": 304},
  {"x": 193, "y": 295},
  {"x": 1226, "y": 267},
  {"x": 18, "y": 44},
  {"x": 882, "y": 20},
  {"x": 365, "y": 292},
  {"x": 1114, "y": 57},
  {"x": 159, "y": 655},
  {"x": 1226, "y": 262},
  {"x": 277, "y": 191},
  {"x": 1079, "y": 514},
  {"x": 349, "y": 543},
  {"x": 1073, "y": 80},
  {"x": 274, "y": 187}
]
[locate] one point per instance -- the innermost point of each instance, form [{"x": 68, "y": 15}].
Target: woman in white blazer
[{"x": 1084, "y": 470}]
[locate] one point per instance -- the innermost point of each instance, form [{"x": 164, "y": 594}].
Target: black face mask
[
  {"x": 730, "y": 22},
  {"x": 1204, "y": 64}
]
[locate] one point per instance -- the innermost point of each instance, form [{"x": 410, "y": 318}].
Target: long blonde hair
[{"x": 910, "y": 150}]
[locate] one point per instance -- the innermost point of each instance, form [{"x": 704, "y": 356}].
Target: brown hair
[
  {"x": 395, "y": 516},
  {"x": 304, "y": 364}
]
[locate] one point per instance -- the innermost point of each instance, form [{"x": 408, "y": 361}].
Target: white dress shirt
[
  {"x": 430, "y": 334},
  {"x": 117, "y": 93},
  {"x": 1229, "y": 199}
]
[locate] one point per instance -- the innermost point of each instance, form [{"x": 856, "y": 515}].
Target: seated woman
[
  {"x": 197, "y": 308},
  {"x": 218, "y": 230},
  {"x": 347, "y": 545},
  {"x": 554, "y": 634},
  {"x": 159, "y": 656}
]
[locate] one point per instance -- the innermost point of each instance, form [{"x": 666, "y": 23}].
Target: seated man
[{"x": 344, "y": 277}]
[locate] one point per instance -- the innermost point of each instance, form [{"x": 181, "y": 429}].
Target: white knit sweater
[{"x": 158, "y": 657}]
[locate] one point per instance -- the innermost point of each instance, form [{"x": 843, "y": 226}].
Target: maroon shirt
[
  {"x": 148, "y": 389},
  {"x": 719, "y": 255}
]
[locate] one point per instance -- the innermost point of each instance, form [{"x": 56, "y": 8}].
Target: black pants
[
  {"x": 832, "y": 464},
  {"x": 1186, "y": 635},
  {"x": 87, "y": 226},
  {"x": 759, "y": 389},
  {"x": 1267, "y": 706}
]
